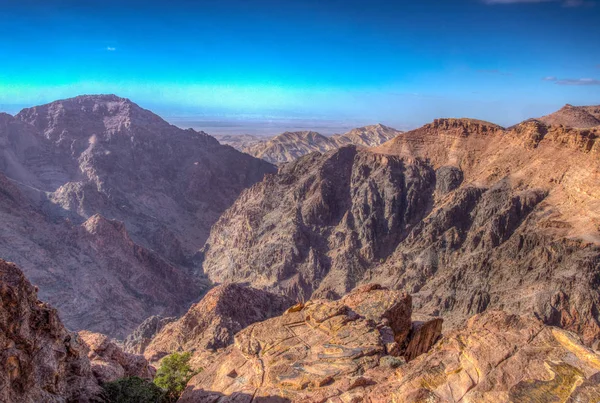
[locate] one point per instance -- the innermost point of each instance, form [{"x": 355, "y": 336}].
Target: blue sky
[{"x": 398, "y": 62}]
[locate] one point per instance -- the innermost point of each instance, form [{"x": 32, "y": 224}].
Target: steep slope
[
  {"x": 104, "y": 154},
  {"x": 94, "y": 273},
  {"x": 290, "y": 146},
  {"x": 574, "y": 116},
  {"x": 211, "y": 324},
  {"x": 104, "y": 206},
  {"x": 40, "y": 360},
  {"x": 464, "y": 214}
]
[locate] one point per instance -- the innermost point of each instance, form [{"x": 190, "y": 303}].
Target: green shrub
[
  {"x": 133, "y": 390},
  {"x": 173, "y": 374}
]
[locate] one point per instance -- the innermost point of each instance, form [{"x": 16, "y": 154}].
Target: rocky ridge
[
  {"x": 583, "y": 117},
  {"x": 463, "y": 214},
  {"x": 290, "y": 146}
]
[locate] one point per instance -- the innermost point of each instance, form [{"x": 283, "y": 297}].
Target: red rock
[{"x": 109, "y": 361}]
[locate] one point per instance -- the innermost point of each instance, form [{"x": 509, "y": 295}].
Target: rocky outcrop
[
  {"x": 211, "y": 324},
  {"x": 497, "y": 357},
  {"x": 315, "y": 351},
  {"x": 327, "y": 352},
  {"x": 137, "y": 341},
  {"x": 109, "y": 362},
  {"x": 74, "y": 169},
  {"x": 290, "y": 146},
  {"x": 40, "y": 360},
  {"x": 463, "y": 214}
]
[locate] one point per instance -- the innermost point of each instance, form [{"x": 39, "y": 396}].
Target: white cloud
[
  {"x": 110, "y": 49},
  {"x": 572, "y": 81}
]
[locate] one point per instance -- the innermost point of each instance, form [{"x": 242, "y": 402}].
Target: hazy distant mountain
[
  {"x": 574, "y": 116},
  {"x": 239, "y": 141},
  {"x": 292, "y": 145},
  {"x": 105, "y": 205}
]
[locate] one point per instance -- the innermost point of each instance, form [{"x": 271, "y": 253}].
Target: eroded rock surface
[
  {"x": 498, "y": 357},
  {"x": 40, "y": 361},
  {"x": 212, "y": 323},
  {"x": 109, "y": 361},
  {"x": 313, "y": 352},
  {"x": 328, "y": 353}
]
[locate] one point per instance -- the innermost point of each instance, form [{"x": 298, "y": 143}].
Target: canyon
[{"x": 459, "y": 261}]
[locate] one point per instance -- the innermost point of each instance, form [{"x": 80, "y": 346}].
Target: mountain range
[
  {"x": 290, "y": 146},
  {"x": 459, "y": 261}
]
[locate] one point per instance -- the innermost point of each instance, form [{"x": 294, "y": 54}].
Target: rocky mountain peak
[
  {"x": 101, "y": 116},
  {"x": 574, "y": 116}
]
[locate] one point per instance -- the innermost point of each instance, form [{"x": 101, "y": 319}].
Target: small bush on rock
[
  {"x": 174, "y": 374},
  {"x": 133, "y": 390}
]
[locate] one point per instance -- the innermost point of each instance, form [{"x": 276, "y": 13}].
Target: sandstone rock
[
  {"x": 424, "y": 332},
  {"x": 310, "y": 354},
  {"x": 212, "y": 323},
  {"x": 498, "y": 357},
  {"x": 379, "y": 304},
  {"x": 109, "y": 362},
  {"x": 40, "y": 360},
  {"x": 328, "y": 353}
]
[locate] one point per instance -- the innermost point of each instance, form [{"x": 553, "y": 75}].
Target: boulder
[{"x": 109, "y": 361}]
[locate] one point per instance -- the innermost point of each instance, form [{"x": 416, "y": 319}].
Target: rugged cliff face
[
  {"x": 40, "y": 360},
  {"x": 464, "y": 214},
  {"x": 105, "y": 204}
]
